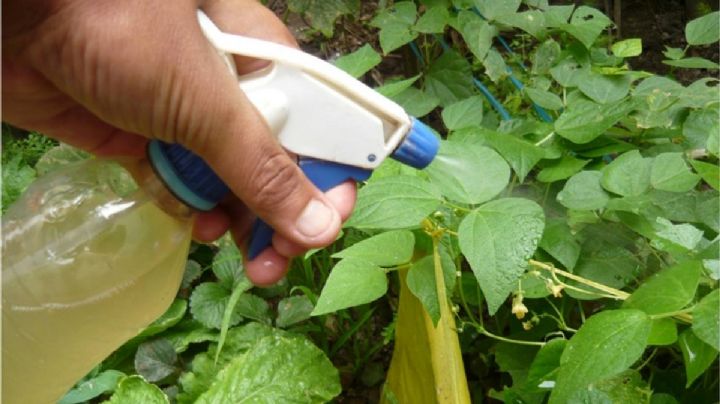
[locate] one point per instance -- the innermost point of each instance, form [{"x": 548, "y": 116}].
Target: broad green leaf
[
  {"x": 674, "y": 53},
  {"x": 515, "y": 359},
  {"x": 584, "y": 120},
  {"x": 531, "y": 21},
  {"x": 627, "y": 175},
  {"x": 605, "y": 89},
  {"x": 561, "y": 169},
  {"x": 583, "y": 192},
  {"x": 391, "y": 89},
  {"x": 569, "y": 73},
  {"x": 703, "y": 30},
  {"x": 663, "y": 332},
  {"x": 706, "y": 319},
  {"x": 626, "y": 387},
  {"x": 134, "y": 389},
  {"x": 670, "y": 173},
  {"x": 386, "y": 249},
  {"x": 292, "y": 310},
  {"x": 627, "y": 48},
  {"x": 172, "y": 316},
  {"x": 521, "y": 154},
  {"x": 491, "y": 9},
  {"x": 663, "y": 398},
  {"x": 208, "y": 302},
  {"x": 669, "y": 290},
  {"x": 560, "y": 243},
  {"x": 497, "y": 239},
  {"x": 449, "y": 78},
  {"x": 495, "y": 67},
  {"x": 544, "y": 368},
  {"x": 604, "y": 262},
  {"x": 693, "y": 63},
  {"x": 103, "y": 383},
  {"x": 253, "y": 307},
  {"x": 676, "y": 237},
  {"x": 359, "y": 62},
  {"x": 697, "y": 355},
  {"x": 323, "y": 13},
  {"x": 586, "y": 24},
  {"x": 276, "y": 369},
  {"x": 606, "y": 344},
  {"x": 465, "y": 113},
  {"x": 227, "y": 264},
  {"x": 421, "y": 283},
  {"x": 416, "y": 102},
  {"x": 394, "y": 203},
  {"x": 395, "y": 25},
  {"x": 395, "y": 36},
  {"x": 698, "y": 126},
  {"x": 556, "y": 16},
  {"x": 352, "y": 282},
  {"x": 468, "y": 173},
  {"x": 543, "y": 98},
  {"x": 476, "y": 32},
  {"x": 155, "y": 360},
  {"x": 545, "y": 57},
  {"x": 188, "y": 331},
  {"x": 433, "y": 21}
]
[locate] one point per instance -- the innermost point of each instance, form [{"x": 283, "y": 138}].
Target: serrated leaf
[
  {"x": 583, "y": 192},
  {"x": 394, "y": 203},
  {"x": 606, "y": 344},
  {"x": 627, "y": 175},
  {"x": 386, "y": 249},
  {"x": 465, "y": 113},
  {"x": 543, "y": 98},
  {"x": 669, "y": 172},
  {"x": 562, "y": 169},
  {"x": 627, "y": 48},
  {"x": 172, "y": 316},
  {"x": 497, "y": 239},
  {"x": 433, "y": 21},
  {"x": 253, "y": 307},
  {"x": 468, "y": 173},
  {"x": 227, "y": 264},
  {"x": 352, "y": 282},
  {"x": 276, "y": 369},
  {"x": 193, "y": 270},
  {"x": 134, "y": 389},
  {"x": 605, "y": 89},
  {"x": 155, "y": 360},
  {"x": 449, "y": 78},
  {"x": 292, "y": 310},
  {"x": 476, "y": 32},
  {"x": 360, "y": 61},
  {"x": 703, "y": 30},
  {"x": 416, "y": 102},
  {"x": 669, "y": 290},
  {"x": 706, "y": 319},
  {"x": 491, "y": 9},
  {"x": 208, "y": 302},
  {"x": 697, "y": 355},
  {"x": 560, "y": 243},
  {"x": 584, "y": 120},
  {"x": 693, "y": 63},
  {"x": 104, "y": 382},
  {"x": 663, "y": 332}
]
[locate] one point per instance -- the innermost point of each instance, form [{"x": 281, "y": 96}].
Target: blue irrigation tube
[{"x": 416, "y": 52}]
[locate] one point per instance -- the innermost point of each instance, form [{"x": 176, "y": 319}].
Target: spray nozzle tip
[{"x": 419, "y": 147}]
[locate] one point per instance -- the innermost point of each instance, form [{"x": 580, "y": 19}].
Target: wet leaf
[
  {"x": 155, "y": 360},
  {"x": 697, "y": 355}
]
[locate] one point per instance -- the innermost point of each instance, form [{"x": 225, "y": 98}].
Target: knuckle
[{"x": 275, "y": 180}]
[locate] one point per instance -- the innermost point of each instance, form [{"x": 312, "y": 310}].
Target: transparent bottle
[{"x": 91, "y": 254}]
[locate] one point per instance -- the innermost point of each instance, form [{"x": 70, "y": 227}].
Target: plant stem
[
  {"x": 460, "y": 208},
  {"x": 612, "y": 292},
  {"x": 487, "y": 333}
]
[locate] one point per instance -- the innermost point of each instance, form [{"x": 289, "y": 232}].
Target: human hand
[{"x": 107, "y": 75}]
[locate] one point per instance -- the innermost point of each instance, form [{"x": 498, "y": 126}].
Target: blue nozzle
[{"x": 419, "y": 147}]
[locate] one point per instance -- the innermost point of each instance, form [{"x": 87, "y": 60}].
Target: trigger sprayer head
[{"x": 419, "y": 147}]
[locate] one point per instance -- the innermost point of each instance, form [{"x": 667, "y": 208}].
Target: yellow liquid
[{"x": 79, "y": 279}]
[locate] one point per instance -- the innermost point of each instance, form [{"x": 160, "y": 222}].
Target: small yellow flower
[
  {"x": 527, "y": 325},
  {"x": 518, "y": 308}
]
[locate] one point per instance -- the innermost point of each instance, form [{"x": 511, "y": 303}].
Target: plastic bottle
[{"x": 92, "y": 254}]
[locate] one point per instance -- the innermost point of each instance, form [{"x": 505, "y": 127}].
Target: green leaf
[
  {"x": 627, "y": 48},
  {"x": 676, "y": 237},
  {"x": 545, "y": 57},
  {"x": 605, "y": 89},
  {"x": 449, "y": 78},
  {"x": 627, "y": 175},
  {"x": 556, "y": 16},
  {"x": 16, "y": 177},
  {"x": 104, "y": 382},
  {"x": 670, "y": 173},
  {"x": 497, "y": 239},
  {"x": 465, "y": 113},
  {"x": 521, "y": 154},
  {"x": 391, "y": 89},
  {"x": 693, "y": 63},
  {"x": 253, "y": 307},
  {"x": 395, "y": 36},
  {"x": 193, "y": 270},
  {"x": 531, "y": 21},
  {"x": 606, "y": 344},
  {"x": 703, "y": 30},
  {"x": 433, "y": 21},
  {"x": 663, "y": 332},
  {"x": 560, "y": 243},
  {"x": 359, "y": 62},
  {"x": 495, "y": 66},
  {"x": 276, "y": 369},
  {"x": 583, "y": 192},
  {"x": 394, "y": 203},
  {"x": 476, "y": 32},
  {"x": 626, "y": 387},
  {"x": 188, "y": 332},
  {"x": 669, "y": 290},
  {"x": 561, "y": 169},
  {"x": 207, "y": 305},
  {"x": 673, "y": 53},
  {"x": 603, "y": 261},
  {"x": 227, "y": 264},
  {"x": 543, "y": 98},
  {"x": 491, "y": 9},
  {"x": 386, "y": 249},
  {"x": 172, "y": 316},
  {"x": 134, "y": 389},
  {"x": 544, "y": 368},
  {"x": 569, "y": 73},
  {"x": 421, "y": 282},
  {"x": 292, "y": 310},
  {"x": 706, "y": 319},
  {"x": 468, "y": 173},
  {"x": 698, "y": 126},
  {"x": 586, "y": 25},
  {"x": 155, "y": 360},
  {"x": 351, "y": 283},
  {"x": 697, "y": 355},
  {"x": 395, "y": 25},
  {"x": 323, "y": 13},
  {"x": 416, "y": 102},
  {"x": 584, "y": 120}
]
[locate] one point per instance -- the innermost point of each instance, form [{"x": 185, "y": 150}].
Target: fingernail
[{"x": 314, "y": 219}]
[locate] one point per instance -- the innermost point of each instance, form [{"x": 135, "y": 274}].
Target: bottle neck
[{"x": 147, "y": 179}]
